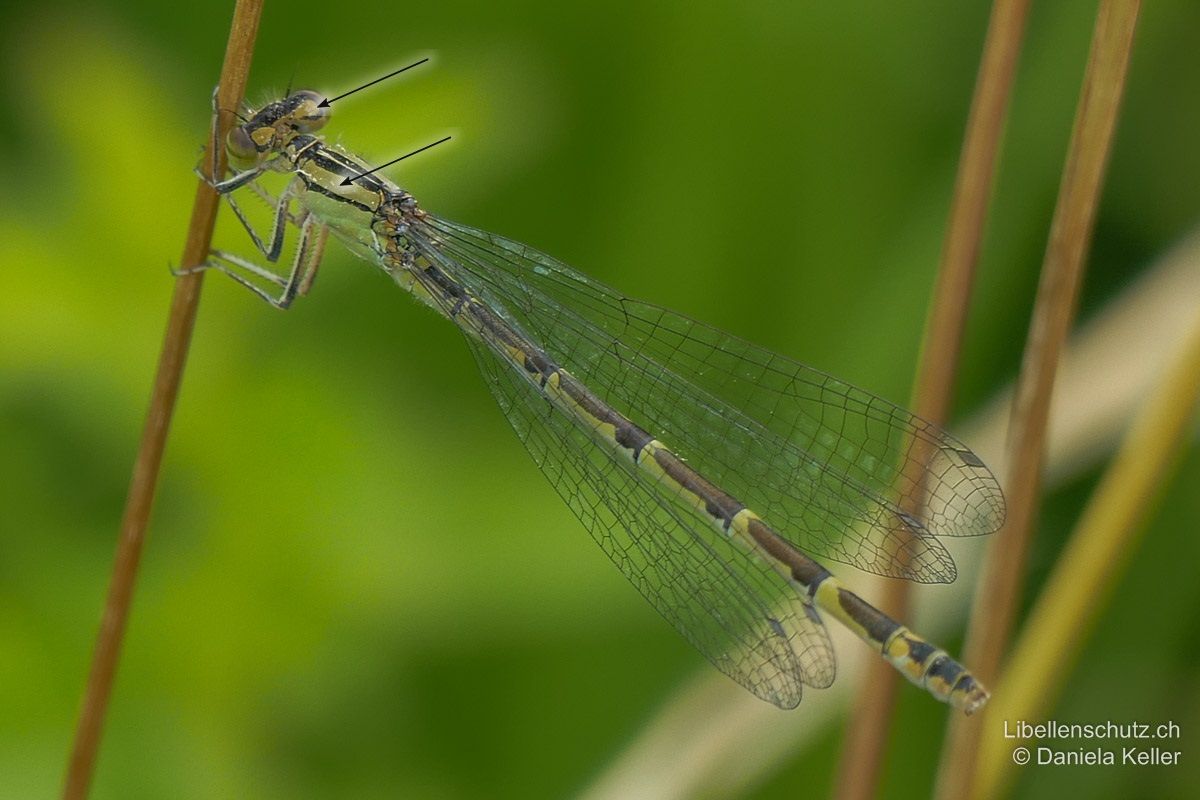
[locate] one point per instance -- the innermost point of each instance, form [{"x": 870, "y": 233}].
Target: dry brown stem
[{"x": 142, "y": 485}]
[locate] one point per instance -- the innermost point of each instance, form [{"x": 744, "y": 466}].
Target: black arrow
[
  {"x": 325, "y": 103},
  {"x": 352, "y": 178}
]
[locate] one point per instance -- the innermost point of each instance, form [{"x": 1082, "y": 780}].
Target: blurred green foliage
[{"x": 357, "y": 583}]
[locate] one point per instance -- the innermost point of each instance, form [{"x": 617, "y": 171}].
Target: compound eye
[
  {"x": 308, "y": 115},
  {"x": 241, "y": 147}
]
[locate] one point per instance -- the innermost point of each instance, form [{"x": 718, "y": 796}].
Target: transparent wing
[
  {"x": 737, "y": 611},
  {"x": 832, "y": 467}
]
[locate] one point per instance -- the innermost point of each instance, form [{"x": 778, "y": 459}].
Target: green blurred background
[{"x": 357, "y": 584}]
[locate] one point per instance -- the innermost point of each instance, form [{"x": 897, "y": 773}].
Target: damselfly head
[{"x": 268, "y": 132}]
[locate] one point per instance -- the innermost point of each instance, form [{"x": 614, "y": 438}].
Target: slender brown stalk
[
  {"x": 184, "y": 302},
  {"x": 861, "y": 762},
  {"x": 1107, "y": 533},
  {"x": 1054, "y": 309}
]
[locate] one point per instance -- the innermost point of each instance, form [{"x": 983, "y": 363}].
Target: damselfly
[{"x": 711, "y": 471}]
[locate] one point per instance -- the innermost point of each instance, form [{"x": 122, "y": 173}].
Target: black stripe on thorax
[
  {"x": 311, "y": 151},
  {"x": 331, "y": 161},
  {"x": 311, "y": 185}
]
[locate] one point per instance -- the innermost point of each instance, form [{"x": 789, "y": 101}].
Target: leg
[
  {"x": 309, "y": 249},
  {"x": 215, "y": 177},
  {"x": 214, "y": 142},
  {"x": 226, "y": 187},
  {"x": 272, "y": 202},
  {"x": 278, "y": 227},
  {"x": 282, "y": 214},
  {"x": 317, "y": 251}
]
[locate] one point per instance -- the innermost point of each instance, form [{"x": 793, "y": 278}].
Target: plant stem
[
  {"x": 1099, "y": 549},
  {"x": 1062, "y": 272},
  {"x": 142, "y": 485},
  {"x": 861, "y": 761}
]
